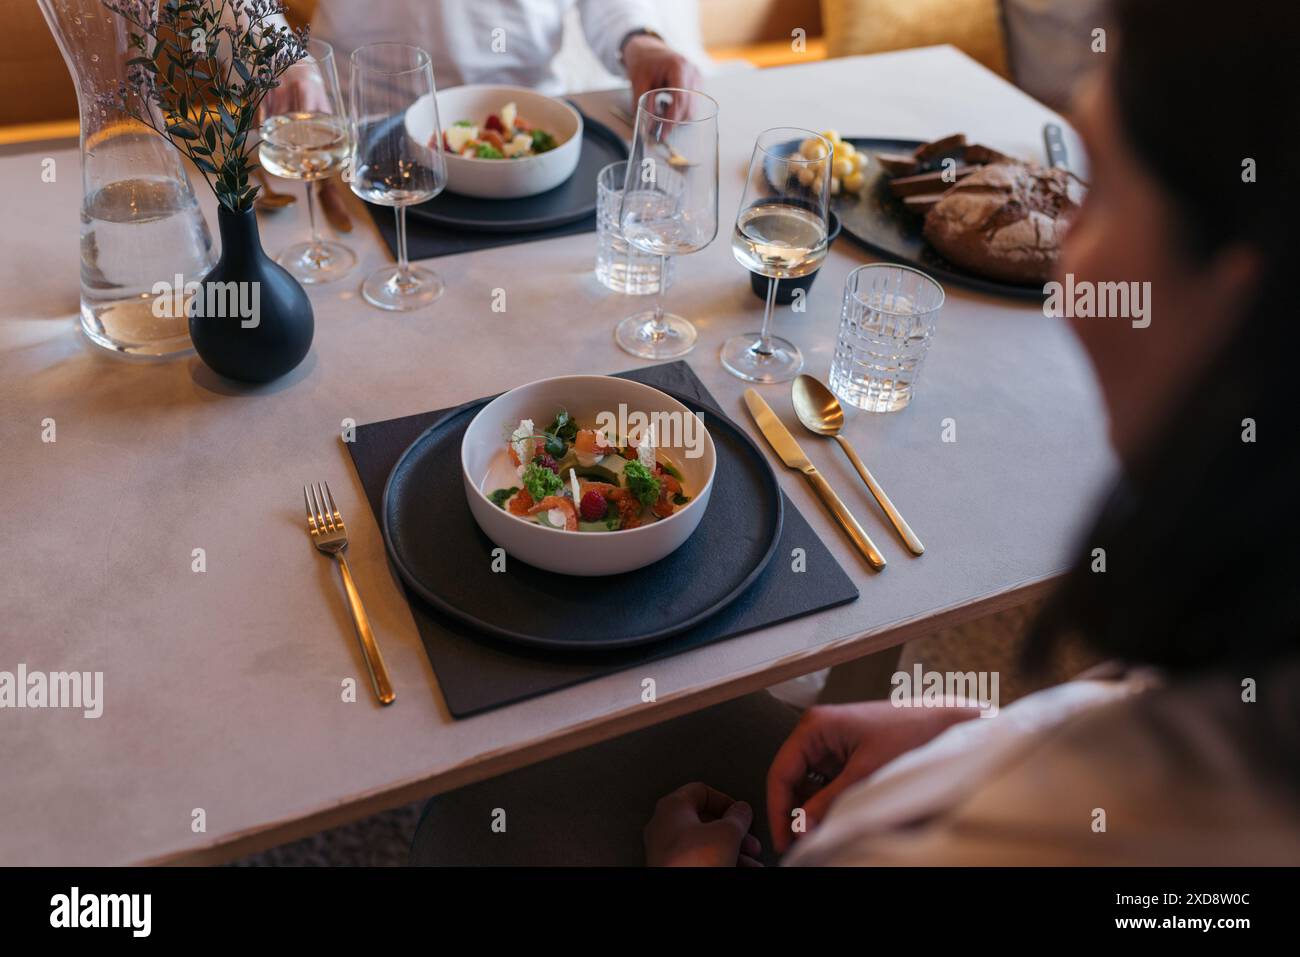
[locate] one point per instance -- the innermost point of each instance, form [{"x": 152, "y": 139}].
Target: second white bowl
[{"x": 503, "y": 178}]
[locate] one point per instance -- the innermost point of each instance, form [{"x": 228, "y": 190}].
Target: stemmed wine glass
[
  {"x": 311, "y": 141},
  {"x": 780, "y": 233},
  {"x": 392, "y": 88},
  {"x": 670, "y": 204}
]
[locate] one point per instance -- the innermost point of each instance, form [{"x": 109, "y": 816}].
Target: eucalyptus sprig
[{"x": 200, "y": 74}]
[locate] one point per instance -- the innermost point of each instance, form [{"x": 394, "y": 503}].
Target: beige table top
[{"x": 222, "y": 689}]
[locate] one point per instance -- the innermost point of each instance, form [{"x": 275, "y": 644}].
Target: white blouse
[
  {"x": 1090, "y": 772},
  {"x": 510, "y": 42}
]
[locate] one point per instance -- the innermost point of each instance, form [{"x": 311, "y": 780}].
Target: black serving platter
[
  {"x": 442, "y": 555},
  {"x": 878, "y": 221}
]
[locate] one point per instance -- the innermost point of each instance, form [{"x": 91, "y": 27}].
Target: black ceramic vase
[{"x": 250, "y": 320}]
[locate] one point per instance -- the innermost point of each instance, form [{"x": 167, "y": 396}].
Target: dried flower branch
[{"x": 202, "y": 70}]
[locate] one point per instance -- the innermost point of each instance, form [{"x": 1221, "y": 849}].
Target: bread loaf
[{"x": 1005, "y": 221}]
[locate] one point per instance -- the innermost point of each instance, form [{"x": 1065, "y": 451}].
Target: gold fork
[
  {"x": 330, "y": 536},
  {"x": 675, "y": 159}
]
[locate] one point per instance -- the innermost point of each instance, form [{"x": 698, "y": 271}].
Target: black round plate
[
  {"x": 572, "y": 200},
  {"x": 440, "y": 552}
]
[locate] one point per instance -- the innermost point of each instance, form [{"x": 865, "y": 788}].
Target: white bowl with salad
[
  {"x": 500, "y": 142},
  {"x": 587, "y": 475}
]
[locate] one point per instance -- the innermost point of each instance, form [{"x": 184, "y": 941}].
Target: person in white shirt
[{"x": 510, "y": 42}]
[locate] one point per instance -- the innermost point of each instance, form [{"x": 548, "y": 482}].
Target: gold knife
[{"x": 792, "y": 455}]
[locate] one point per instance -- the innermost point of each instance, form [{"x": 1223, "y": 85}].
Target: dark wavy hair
[{"x": 1201, "y": 534}]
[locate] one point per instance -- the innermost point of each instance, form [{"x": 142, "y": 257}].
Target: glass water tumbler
[
  {"x": 618, "y": 266},
  {"x": 886, "y": 325}
]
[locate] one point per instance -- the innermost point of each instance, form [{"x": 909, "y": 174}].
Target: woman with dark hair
[
  {"x": 1191, "y": 755},
  {"x": 1185, "y": 750}
]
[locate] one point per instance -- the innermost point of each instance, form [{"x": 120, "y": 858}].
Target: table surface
[{"x": 222, "y": 689}]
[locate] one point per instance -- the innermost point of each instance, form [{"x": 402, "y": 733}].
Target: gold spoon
[
  {"x": 268, "y": 198},
  {"x": 821, "y": 413}
]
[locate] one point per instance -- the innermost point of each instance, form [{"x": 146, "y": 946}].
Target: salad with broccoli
[
  {"x": 503, "y": 135},
  {"x": 582, "y": 480}
]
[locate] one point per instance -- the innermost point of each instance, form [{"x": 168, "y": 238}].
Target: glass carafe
[{"x": 142, "y": 231}]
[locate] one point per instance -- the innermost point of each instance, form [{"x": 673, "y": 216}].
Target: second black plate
[
  {"x": 440, "y": 552},
  {"x": 572, "y": 200}
]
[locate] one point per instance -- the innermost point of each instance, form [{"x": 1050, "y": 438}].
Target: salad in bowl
[
  {"x": 587, "y": 475},
  {"x": 585, "y": 480},
  {"x": 499, "y": 142},
  {"x": 503, "y": 135}
]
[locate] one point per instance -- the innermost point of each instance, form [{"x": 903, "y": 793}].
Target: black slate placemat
[
  {"x": 428, "y": 241},
  {"x": 478, "y": 673}
]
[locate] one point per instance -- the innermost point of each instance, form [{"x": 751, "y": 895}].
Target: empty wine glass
[
  {"x": 670, "y": 204},
  {"x": 310, "y": 141},
  {"x": 392, "y": 87},
  {"x": 780, "y": 233}
]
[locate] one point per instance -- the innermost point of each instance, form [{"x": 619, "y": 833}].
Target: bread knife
[{"x": 1054, "y": 139}]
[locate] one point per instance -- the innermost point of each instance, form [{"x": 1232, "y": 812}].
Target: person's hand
[
  {"x": 699, "y": 826},
  {"x": 834, "y": 746},
  {"x": 301, "y": 90},
  {"x": 652, "y": 64}
]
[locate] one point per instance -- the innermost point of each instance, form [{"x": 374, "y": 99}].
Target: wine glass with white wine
[
  {"x": 310, "y": 141},
  {"x": 392, "y": 85},
  {"x": 670, "y": 205},
  {"x": 780, "y": 233}
]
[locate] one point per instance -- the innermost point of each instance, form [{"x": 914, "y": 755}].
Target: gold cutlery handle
[
  {"x": 904, "y": 530},
  {"x": 837, "y": 508},
  {"x": 379, "y": 679},
  {"x": 331, "y": 204}
]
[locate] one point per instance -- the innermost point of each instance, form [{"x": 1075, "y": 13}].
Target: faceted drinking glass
[
  {"x": 619, "y": 266},
  {"x": 886, "y": 325}
]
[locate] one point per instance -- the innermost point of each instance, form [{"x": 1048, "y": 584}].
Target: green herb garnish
[
  {"x": 462, "y": 123},
  {"x": 543, "y": 141},
  {"x": 540, "y": 481},
  {"x": 502, "y": 495},
  {"x": 564, "y": 427},
  {"x": 486, "y": 151},
  {"x": 680, "y": 499},
  {"x": 613, "y": 521},
  {"x": 559, "y": 434},
  {"x": 642, "y": 483}
]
